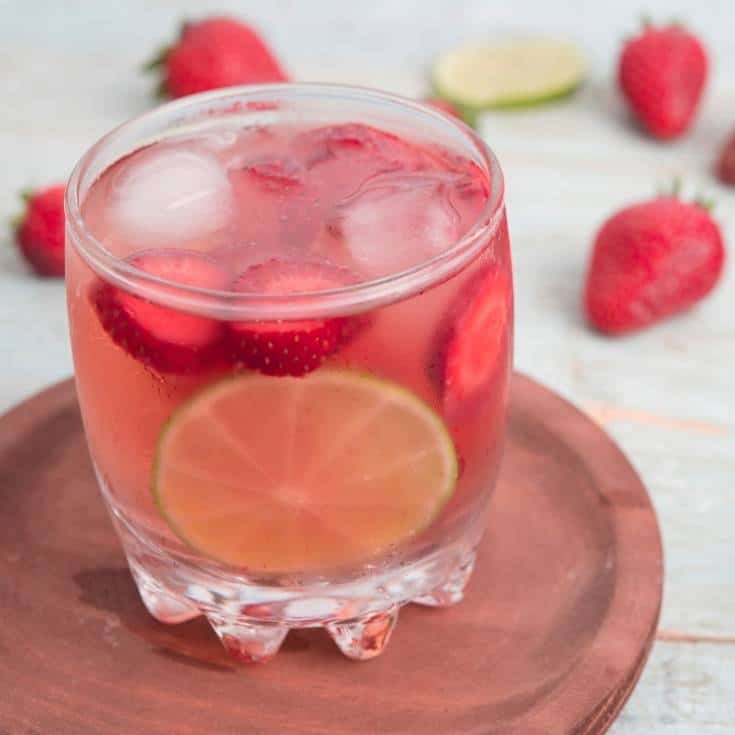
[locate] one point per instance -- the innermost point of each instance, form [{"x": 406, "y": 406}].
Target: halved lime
[
  {"x": 287, "y": 474},
  {"x": 510, "y": 73}
]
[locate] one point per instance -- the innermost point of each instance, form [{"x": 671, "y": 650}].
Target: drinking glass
[{"x": 269, "y": 501}]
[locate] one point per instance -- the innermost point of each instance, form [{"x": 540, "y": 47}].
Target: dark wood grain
[{"x": 551, "y": 638}]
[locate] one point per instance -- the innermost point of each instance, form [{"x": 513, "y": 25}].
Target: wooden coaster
[{"x": 551, "y": 638}]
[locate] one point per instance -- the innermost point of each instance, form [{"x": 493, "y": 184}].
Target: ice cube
[
  {"x": 165, "y": 194},
  {"x": 396, "y": 221}
]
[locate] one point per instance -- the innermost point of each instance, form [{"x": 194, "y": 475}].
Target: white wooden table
[{"x": 68, "y": 73}]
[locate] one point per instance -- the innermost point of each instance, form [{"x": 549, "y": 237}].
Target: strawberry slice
[
  {"x": 341, "y": 146},
  {"x": 473, "y": 341},
  {"x": 289, "y": 347},
  {"x": 160, "y": 337},
  {"x": 274, "y": 203},
  {"x": 275, "y": 174}
]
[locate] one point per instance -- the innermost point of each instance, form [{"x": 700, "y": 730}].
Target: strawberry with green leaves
[
  {"x": 650, "y": 261},
  {"x": 662, "y": 74},
  {"x": 39, "y": 230},
  {"x": 214, "y": 53}
]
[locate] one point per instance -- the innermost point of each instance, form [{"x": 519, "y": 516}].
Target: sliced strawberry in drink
[
  {"x": 473, "y": 342},
  {"x": 275, "y": 174},
  {"x": 331, "y": 140},
  {"x": 289, "y": 347},
  {"x": 276, "y": 206},
  {"x": 346, "y": 141},
  {"x": 160, "y": 337}
]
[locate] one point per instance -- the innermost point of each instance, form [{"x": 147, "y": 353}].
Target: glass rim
[{"x": 354, "y": 297}]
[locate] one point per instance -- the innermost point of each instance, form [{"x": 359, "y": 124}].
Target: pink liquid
[{"x": 347, "y": 199}]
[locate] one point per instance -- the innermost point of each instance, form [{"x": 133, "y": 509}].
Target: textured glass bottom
[{"x": 252, "y": 619}]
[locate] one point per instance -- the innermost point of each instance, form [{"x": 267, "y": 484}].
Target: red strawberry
[
  {"x": 344, "y": 143},
  {"x": 274, "y": 174},
  {"x": 443, "y": 105},
  {"x": 160, "y": 337},
  {"x": 289, "y": 347},
  {"x": 662, "y": 74},
  {"x": 472, "y": 343},
  {"x": 214, "y": 53},
  {"x": 39, "y": 231},
  {"x": 652, "y": 260},
  {"x": 726, "y": 162}
]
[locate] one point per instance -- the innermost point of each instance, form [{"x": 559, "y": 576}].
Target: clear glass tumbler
[{"x": 315, "y": 446}]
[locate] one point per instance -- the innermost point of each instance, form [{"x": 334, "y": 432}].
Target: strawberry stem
[
  {"x": 704, "y": 202},
  {"x": 157, "y": 60},
  {"x": 671, "y": 190},
  {"x": 15, "y": 220},
  {"x": 161, "y": 91}
]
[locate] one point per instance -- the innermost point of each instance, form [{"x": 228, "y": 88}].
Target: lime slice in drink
[
  {"x": 511, "y": 73},
  {"x": 283, "y": 474}
]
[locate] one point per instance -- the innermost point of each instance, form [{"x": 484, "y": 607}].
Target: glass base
[{"x": 252, "y": 619}]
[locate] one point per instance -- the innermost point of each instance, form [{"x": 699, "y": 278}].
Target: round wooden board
[{"x": 551, "y": 638}]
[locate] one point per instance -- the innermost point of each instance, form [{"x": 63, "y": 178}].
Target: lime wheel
[{"x": 283, "y": 474}]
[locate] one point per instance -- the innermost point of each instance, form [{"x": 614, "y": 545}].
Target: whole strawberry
[
  {"x": 725, "y": 168},
  {"x": 662, "y": 74},
  {"x": 39, "y": 230},
  {"x": 214, "y": 53},
  {"x": 650, "y": 261}
]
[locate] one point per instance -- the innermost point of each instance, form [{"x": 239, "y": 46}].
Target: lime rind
[{"x": 510, "y": 74}]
